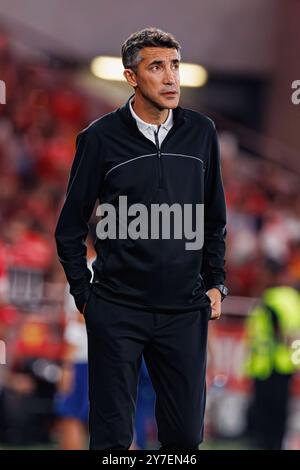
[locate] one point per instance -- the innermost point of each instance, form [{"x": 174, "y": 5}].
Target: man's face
[{"x": 157, "y": 78}]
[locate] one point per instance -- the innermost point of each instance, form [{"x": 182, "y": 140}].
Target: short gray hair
[{"x": 148, "y": 37}]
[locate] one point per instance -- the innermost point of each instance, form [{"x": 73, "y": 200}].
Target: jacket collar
[
  {"x": 143, "y": 126},
  {"x": 126, "y": 115}
]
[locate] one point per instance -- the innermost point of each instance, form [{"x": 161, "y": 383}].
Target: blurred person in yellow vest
[{"x": 272, "y": 332}]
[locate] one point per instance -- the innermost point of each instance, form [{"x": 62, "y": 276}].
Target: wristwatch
[{"x": 223, "y": 289}]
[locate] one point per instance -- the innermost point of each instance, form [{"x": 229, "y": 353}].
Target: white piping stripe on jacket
[
  {"x": 128, "y": 161},
  {"x": 150, "y": 155},
  {"x": 182, "y": 155}
]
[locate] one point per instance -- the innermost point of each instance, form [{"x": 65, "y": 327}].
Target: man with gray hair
[{"x": 150, "y": 296}]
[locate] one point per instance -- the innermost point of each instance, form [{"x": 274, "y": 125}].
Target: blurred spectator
[
  {"x": 271, "y": 328},
  {"x": 71, "y": 401}
]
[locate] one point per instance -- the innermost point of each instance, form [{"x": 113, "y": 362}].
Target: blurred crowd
[
  {"x": 263, "y": 202},
  {"x": 43, "y": 113}
]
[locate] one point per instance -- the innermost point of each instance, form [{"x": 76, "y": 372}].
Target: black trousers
[{"x": 174, "y": 349}]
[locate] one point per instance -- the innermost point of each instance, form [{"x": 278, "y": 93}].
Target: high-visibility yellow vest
[{"x": 268, "y": 351}]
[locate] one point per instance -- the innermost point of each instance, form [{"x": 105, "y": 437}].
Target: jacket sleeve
[
  {"x": 83, "y": 188},
  {"x": 213, "y": 261}
]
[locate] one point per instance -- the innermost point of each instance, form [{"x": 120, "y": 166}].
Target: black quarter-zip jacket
[{"x": 113, "y": 158}]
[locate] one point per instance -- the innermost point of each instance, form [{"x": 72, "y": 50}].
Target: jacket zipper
[
  {"x": 160, "y": 183},
  {"x": 158, "y": 149}
]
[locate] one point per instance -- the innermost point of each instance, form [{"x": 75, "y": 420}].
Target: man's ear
[{"x": 130, "y": 77}]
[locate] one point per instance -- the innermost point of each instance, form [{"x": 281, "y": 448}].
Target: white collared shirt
[{"x": 148, "y": 129}]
